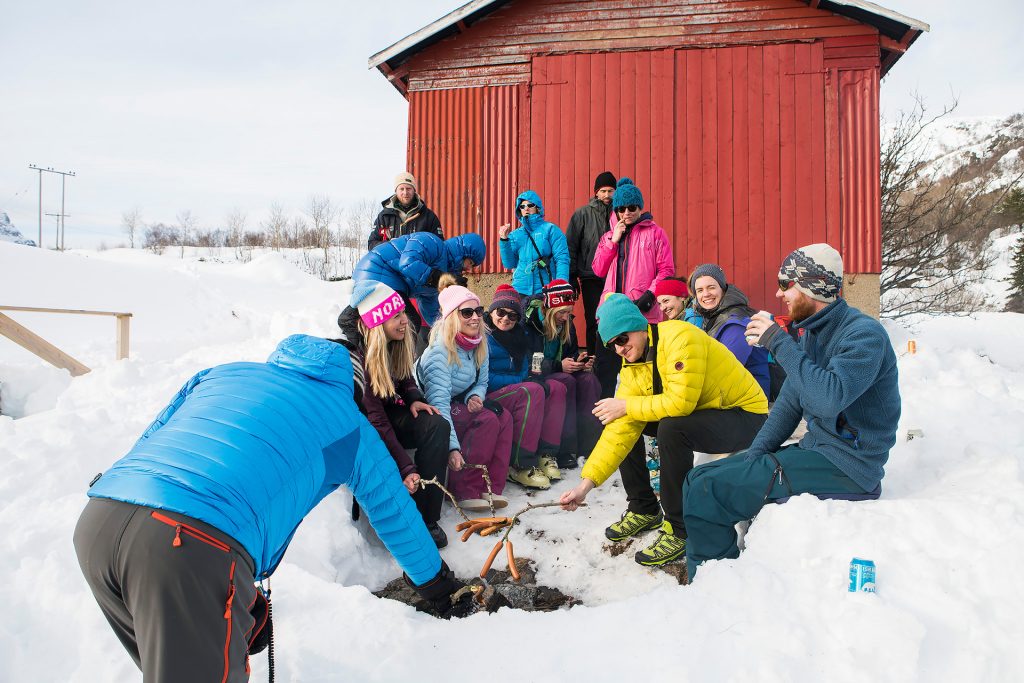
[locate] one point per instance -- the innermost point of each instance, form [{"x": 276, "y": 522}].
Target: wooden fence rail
[{"x": 28, "y": 339}]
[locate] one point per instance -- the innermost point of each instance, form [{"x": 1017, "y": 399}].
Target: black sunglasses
[
  {"x": 527, "y": 205},
  {"x": 467, "y": 313},
  {"x": 618, "y": 341},
  {"x": 505, "y": 313},
  {"x": 784, "y": 285},
  {"x": 632, "y": 208}
]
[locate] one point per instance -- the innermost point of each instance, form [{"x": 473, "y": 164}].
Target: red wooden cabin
[{"x": 751, "y": 126}]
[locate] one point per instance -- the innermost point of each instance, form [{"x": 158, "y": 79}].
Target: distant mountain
[
  {"x": 988, "y": 146},
  {"x": 9, "y": 233}
]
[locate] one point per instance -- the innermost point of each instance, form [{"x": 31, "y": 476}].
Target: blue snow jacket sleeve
[
  {"x": 173, "y": 406},
  {"x": 501, "y": 370},
  {"x": 251, "y": 448}
]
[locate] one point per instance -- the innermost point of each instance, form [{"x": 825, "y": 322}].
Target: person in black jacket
[
  {"x": 586, "y": 227},
  {"x": 404, "y": 213}
]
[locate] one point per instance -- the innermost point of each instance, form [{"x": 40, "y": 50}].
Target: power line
[{"x": 60, "y": 225}]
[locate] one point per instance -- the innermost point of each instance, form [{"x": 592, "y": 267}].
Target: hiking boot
[
  {"x": 498, "y": 501},
  {"x": 474, "y": 504},
  {"x": 567, "y": 461},
  {"x": 666, "y": 548},
  {"x": 550, "y": 468},
  {"x": 438, "y": 535},
  {"x": 530, "y": 477},
  {"x": 632, "y": 524}
]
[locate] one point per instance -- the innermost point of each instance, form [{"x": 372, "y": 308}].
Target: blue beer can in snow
[{"x": 862, "y": 576}]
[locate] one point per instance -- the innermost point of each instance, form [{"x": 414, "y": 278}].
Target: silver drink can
[
  {"x": 752, "y": 339},
  {"x": 536, "y": 363}
]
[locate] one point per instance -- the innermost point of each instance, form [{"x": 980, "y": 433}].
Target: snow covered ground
[{"x": 947, "y": 537}]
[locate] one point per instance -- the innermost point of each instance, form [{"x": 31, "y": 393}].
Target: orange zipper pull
[
  {"x": 177, "y": 536},
  {"x": 231, "y": 596}
]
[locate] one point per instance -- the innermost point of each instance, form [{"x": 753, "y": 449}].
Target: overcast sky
[{"x": 217, "y": 105}]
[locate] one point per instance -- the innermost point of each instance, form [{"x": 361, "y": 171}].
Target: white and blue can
[{"x": 862, "y": 576}]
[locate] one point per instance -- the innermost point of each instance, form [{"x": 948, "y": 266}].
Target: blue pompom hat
[{"x": 627, "y": 194}]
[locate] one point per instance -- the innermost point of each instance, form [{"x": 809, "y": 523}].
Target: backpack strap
[{"x": 655, "y": 375}]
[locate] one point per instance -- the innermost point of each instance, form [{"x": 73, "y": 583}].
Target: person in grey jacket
[{"x": 587, "y": 225}]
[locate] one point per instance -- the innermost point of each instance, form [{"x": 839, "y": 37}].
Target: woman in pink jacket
[{"x": 632, "y": 257}]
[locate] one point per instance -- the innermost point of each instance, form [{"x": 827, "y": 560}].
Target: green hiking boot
[
  {"x": 666, "y": 548},
  {"x": 632, "y": 524}
]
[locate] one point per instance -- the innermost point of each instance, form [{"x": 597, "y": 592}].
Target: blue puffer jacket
[
  {"x": 842, "y": 377},
  {"x": 251, "y": 448},
  {"x": 405, "y": 264},
  {"x": 501, "y": 369},
  {"x": 442, "y": 383},
  {"x": 519, "y": 255}
]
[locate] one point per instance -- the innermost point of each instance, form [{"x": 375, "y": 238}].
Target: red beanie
[
  {"x": 672, "y": 287},
  {"x": 559, "y": 293}
]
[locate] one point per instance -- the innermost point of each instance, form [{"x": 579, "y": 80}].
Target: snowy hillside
[
  {"x": 947, "y": 535},
  {"x": 994, "y": 142},
  {"x": 9, "y": 233}
]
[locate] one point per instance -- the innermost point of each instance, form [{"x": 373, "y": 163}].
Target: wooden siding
[
  {"x": 498, "y": 49},
  {"x": 728, "y": 146}
]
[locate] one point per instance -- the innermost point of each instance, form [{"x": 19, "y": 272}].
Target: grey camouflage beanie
[{"x": 816, "y": 270}]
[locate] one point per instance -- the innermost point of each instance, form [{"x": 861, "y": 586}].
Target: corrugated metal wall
[
  {"x": 464, "y": 152},
  {"x": 728, "y": 146},
  {"x": 859, "y": 159}
]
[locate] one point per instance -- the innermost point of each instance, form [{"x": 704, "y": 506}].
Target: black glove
[
  {"x": 262, "y": 630},
  {"x": 435, "y": 275},
  {"x": 646, "y": 301},
  {"x": 493, "y": 406},
  {"x": 438, "y": 594},
  {"x": 461, "y": 280}
]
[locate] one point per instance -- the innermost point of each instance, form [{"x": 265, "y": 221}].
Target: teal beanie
[
  {"x": 627, "y": 194},
  {"x": 617, "y": 315}
]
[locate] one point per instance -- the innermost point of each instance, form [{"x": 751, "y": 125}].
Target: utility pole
[
  {"x": 59, "y": 231},
  {"x": 59, "y": 244}
]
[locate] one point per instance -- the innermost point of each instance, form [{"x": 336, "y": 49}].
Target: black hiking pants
[
  {"x": 181, "y": 611},
  {"x": 707, "y": 431},
  {"x": 428, "y": 434},
  {"x": 590, "y": 292}
]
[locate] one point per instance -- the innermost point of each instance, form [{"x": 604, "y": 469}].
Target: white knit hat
[
  {"x": 406, "y": 178},
  {"x": 816, "y": 270}
]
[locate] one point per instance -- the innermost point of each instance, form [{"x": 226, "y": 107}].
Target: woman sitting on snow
[
  {"x": 375, "y": 326},
  {"x": 537, "y": 407},
  {"x": 453, "y": 374},
  {"x": 555, "y": 335}
]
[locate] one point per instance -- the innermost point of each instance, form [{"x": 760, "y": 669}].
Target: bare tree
[
  {"x": 358, "y": 223},
  {"x": 187, "y": 224},
  {"x": 276, "y": 226},
  {"x": 935, "y": 226},
  {"x": 131, "y": 223}
]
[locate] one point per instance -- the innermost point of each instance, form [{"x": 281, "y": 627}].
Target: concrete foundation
[{"x": 863, "y": 292}]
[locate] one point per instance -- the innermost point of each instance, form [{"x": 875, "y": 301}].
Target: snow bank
[{"x": 947, "y": 536}]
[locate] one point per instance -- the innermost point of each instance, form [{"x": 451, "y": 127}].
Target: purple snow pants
[
  {"x": 536, "y": 419},
  {"x": 486, "y": 439},
  {"x": 582, "y": 428}
]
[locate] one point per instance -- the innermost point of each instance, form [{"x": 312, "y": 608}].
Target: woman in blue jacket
[
  {"x": 537, "y": 406},
  {"x": 207, "y": 500},
  {"x": 536, "y": 252},
  {"x": 413, "y": 264}
]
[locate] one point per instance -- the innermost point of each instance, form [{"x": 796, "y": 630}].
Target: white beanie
[
  {"x": 816, "y": 270},
  {"x": 406, "y": 178},
  {"x": 376, "y": 302}
]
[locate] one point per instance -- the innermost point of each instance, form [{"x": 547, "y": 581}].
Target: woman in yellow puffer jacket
[{"x": 701, "y": 398}]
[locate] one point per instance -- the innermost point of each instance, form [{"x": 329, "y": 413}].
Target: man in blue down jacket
[
  {"x": 841, "y": 377},
  {"x": 208, "y": 499},
  {"x": 412, "y": 264}
]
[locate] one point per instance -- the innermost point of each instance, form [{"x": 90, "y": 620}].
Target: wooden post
[
  {"x": 28, "y": 339},
  {"x": 123, "y": 327}
]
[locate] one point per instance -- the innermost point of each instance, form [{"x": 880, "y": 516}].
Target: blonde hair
[
  {"x": 386, "y": 360},
  {"x": 552, "y": 330},
  {"x": 446, "y": 329}
]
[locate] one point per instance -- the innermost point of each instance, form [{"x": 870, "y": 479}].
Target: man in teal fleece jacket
[{"x": 841, "y": 377}]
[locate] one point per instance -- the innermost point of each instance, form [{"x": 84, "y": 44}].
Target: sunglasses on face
[
  {"x": 618, "y": 341},
  {"x": 468, "y": 313},
  {"x": 505, "y": 313},
  {"x": 632, "y": 208},
  {"x": 784, "y": 285},
  {"x": 527, "y": 205}
]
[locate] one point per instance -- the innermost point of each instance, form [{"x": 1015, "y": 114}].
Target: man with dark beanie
[
  {"x": 586, "y": 227},
  {"x": 841, "y": 378}
]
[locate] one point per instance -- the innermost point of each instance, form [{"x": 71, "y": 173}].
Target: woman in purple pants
[
  {"x": 453, "y": 374},
  {"x": 565, "y": 364},
  {"x": 537, "y": 407}
]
